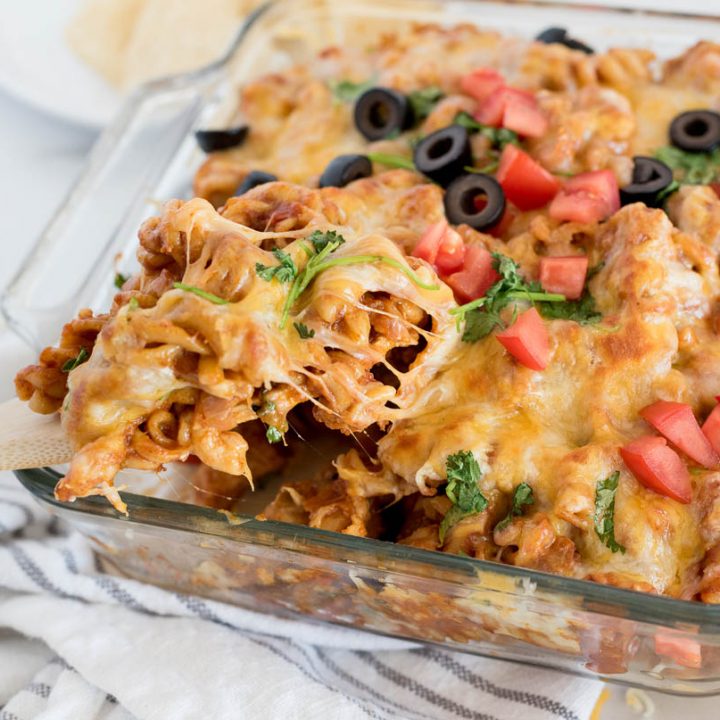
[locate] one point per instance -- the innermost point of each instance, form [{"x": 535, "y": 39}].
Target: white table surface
[{"x": 41, "y": 156}]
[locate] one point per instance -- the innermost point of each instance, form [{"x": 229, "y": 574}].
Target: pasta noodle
[{"x": 297, "y": 304}]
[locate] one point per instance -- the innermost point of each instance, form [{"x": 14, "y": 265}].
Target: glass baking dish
[{"x": 149, "y": 155}]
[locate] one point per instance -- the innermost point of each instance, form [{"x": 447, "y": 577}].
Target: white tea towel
[{"x": 119, "y": 649}]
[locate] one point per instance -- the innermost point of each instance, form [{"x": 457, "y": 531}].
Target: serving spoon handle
[{"x": 29, "y": 440}]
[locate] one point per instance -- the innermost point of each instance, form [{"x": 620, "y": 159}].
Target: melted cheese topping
[
  {"x": 174, "y": 373},
  {"x": 234, "y": 351}
]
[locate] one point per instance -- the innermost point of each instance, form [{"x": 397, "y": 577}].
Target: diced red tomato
[
  {"x": 684, "y": 650},
  {"x": 442, "y": 247},
  {"x": 490, "y": 111},
  {"x": 429, "y": 244},
  {"x": 481, "y": 82},
  {"x": 514, "y": 109},
  {"x": 477, "y": 276},
  {"x": 676, "y": 421},
  {"x": 564, "y": 275},
  {"x": 527, "y": 340},
  {"x": 503, "y": 225},
  {"x": 716, "y": 188},
  {"x": 526, "y": 184},
  {"x": 588, "y": 197},
  {"x": 451, "y": 252},
  {"x": 658, "y": 467},
  {"x": 523, "y": 115},
  {"x": 711, "y": 428}
]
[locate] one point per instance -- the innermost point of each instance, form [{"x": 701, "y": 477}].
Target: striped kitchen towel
[{"x": 101, "y": 647}]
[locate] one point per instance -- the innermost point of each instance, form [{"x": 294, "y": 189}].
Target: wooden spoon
[{"x": 29, "y": 440}]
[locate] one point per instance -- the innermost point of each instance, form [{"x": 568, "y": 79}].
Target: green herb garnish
[
  {"x": 120, "y": 280},
  {"x": 204, "y": 294},
  {"x": 491, "y": 167},
  {"x": 71, "y": 364},
  {"x": 499, "y": 137},
  {"x": 273, "y": 435},
  {"x": 133, "y": 304},
  {"x": 581, "y": 311},
  {"x": 423, "y": 101},
  {"x": 674, "y": 186},
  {"x": 396, "y": 161},
  {"x": 605, "y": 511},
  {"x": 691, "y": 168},
  {"x": 482, "y": 316},
  {"x": 319, "y": 262},
  {"x": 463, "y": 474},
  {"x": 594, "y": 270},
  {"x": 320, "y": 240},
  {"x": 347, "y": 90},
  {"x": 522, "y": 496},
  {"x": 303, "y": 330},
  {"x": 285, "y": 272}
]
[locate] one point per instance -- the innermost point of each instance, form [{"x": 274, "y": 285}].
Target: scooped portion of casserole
[{"x": 490, "y": 263}]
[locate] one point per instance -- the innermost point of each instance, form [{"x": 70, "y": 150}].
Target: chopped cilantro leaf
[
  {"x": 691, "y": 168},
  {"x": 487, "y": 169},
  {"x": 273, "y": 435},
  {"x": 200, "y": 293},
  {"x": 594, "y": 270},
  {"x": 319, "y": 261},
  {"x": 423, "y": 101},
  {"x": 604, "y": 517},
  {"x": 522, "y": 495},
  {"x": 395, "y": 161},
  {"x": 674, "y": 186},
  {"x": 71, "y": 364},
  {"x": 347, "y": 90},
  {"x": 463, "y": 474},
  {"x": 120, "y": 280},
  {"x": 581, "y": 311},
  {"x": 320, "y": 240},
  {"x": 499, "y": 137},
  {"x": 479, "y": 323},
  {"x": 285, "y": 272},
  {"x": 303, "y": 330},
  {"x": 482, "y": 316}
]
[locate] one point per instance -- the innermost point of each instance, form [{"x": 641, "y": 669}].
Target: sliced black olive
[
  {"x": 696, "y": 130},
  {"x": 650, "y": 176},
  {"x": 552, "y": 35},
  {"x": 462, "y": 201},
  {"x": 253, "y": 179},
  {"x": 344, "y": 169},
  {"x": 380, "y": 112},
  {"x": 444, "y": 154},
  {"x": 211, "y": 140},
  {"x": 560, "y": 36}
]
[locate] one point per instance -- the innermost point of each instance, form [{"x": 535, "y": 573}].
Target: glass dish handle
[{"x": 75, "y": 259}]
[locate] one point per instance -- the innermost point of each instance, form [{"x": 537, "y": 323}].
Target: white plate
[{"x": 37, "y": 66}]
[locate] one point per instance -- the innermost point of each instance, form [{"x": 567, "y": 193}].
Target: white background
[{"x": 41, "y": 156}]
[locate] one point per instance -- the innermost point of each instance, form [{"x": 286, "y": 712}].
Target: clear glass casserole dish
[{"x": 149, "y": 155}]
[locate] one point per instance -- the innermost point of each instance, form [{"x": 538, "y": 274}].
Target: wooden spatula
[{"x": 30, "y": 440}]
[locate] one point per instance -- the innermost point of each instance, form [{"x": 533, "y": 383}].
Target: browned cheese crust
[{"x": 173, "y": 375}]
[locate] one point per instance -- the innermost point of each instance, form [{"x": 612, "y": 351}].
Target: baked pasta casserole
[{"x": 490, "y": 263}]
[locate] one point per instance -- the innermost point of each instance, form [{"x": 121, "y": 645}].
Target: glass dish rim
[{"x": 596, "y": 597}]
